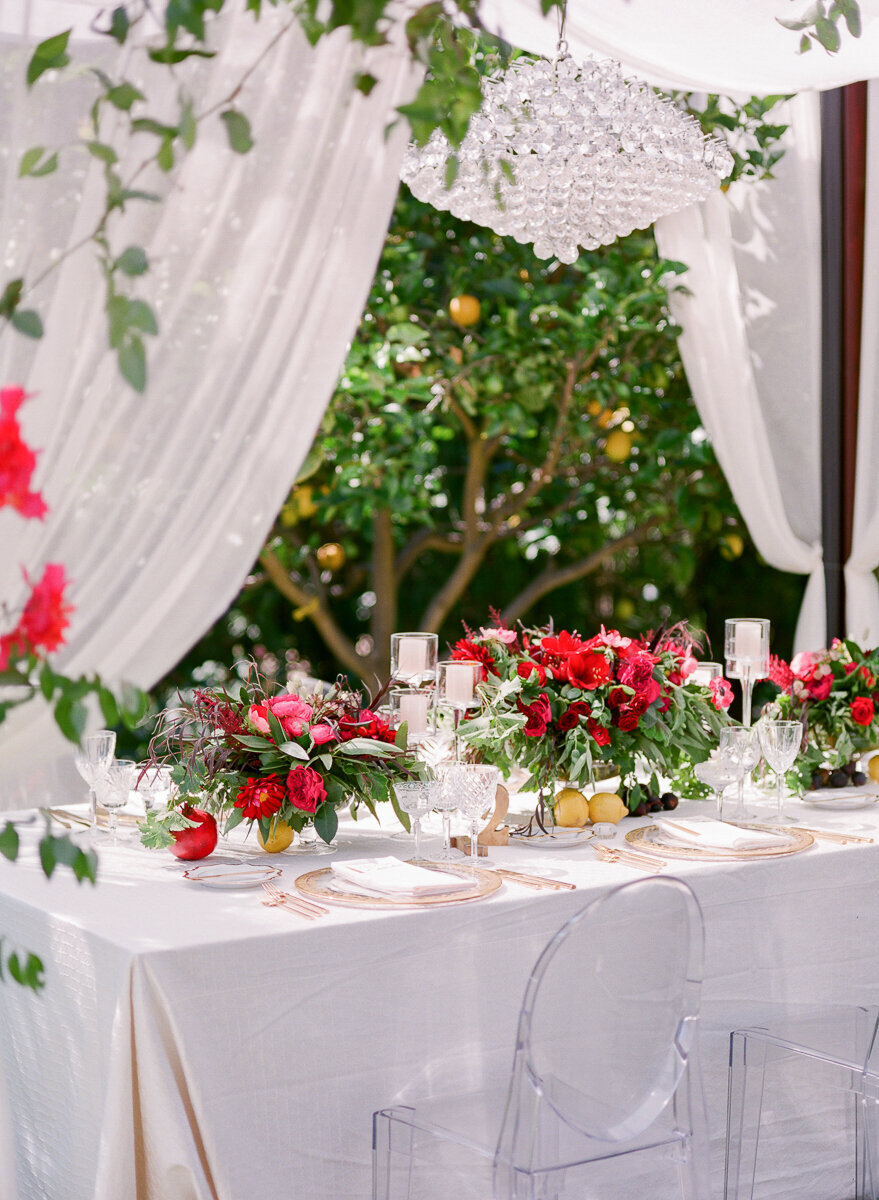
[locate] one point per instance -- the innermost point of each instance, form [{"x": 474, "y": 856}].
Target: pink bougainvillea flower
[
  {"x": 46, "y": 616},
  {"x": 721, "y": 692},
  {"x": 17, "y": 460}
]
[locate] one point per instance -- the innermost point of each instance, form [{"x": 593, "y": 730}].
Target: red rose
[
  {"x": 539, "y": 715},
  {"x": 627, "y": 720},
  {"x": 580, "y": 707},
  {"x": 305, "y": 788},
  {"x": 599, "y": 733},
  {"x": 588, "y": 670},
  {"x": 568, "y": 720},
  {"x": 637, "y": 673},
  {"x": 639, "y": 704},
  {"x": 862, "y": 710},
  {"x": 260, "y": 797},
  {"x": 618, "y": 696},
  {"x": 526, "y": 669}
]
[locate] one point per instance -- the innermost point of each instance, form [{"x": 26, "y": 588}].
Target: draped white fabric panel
[
  {"x": 729, "y": 46},
  {"x": 862, "y": 589},
  {"x": 751, "y": 346},
  {"x": 261, "y": 265}
]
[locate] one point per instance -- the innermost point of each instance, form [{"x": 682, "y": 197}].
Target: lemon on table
[
  {"x": 570, "y": 808},
  {"x": 607, "y": 806},
  {"x": 873, "y": 768},
  {"x": 280, "y": 837}
]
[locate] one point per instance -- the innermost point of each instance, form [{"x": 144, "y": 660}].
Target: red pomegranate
[{"x": 196, "y": 841}]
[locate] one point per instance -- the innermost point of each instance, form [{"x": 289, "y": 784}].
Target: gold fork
[
  {"x": 630, "y": 858},
  {"x": 276, "y": 898}
]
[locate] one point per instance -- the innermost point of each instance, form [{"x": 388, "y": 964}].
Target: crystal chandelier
[{"x": 564, "y": 155}]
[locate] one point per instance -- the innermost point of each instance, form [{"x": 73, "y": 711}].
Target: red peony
[
  {"x": 589, "y": 670},
  {"x": 305, "y": 788},
  {"x": 17, "y": 460},
  {"x": 466, "y": 650},
  {"x": 862, "y": 710},
  {"x": 539, "y": 715},
  {"x": 367, "y": 725},
  {"x": 261, "y": 797},
  {"x": 637, "y": 673}
]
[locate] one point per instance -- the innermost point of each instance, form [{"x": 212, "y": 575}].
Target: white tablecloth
[{"x": 193, "y": 1044}]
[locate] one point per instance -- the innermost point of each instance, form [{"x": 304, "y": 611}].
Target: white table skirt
[{"x": 193, "y": 1044}]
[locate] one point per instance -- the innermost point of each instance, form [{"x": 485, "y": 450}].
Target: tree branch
[
  {"x": 383, "y": 621},
  {"x": 553, "y": 577},
  {"x": 337, "y": 642},
  {"x": 426, "y": 539}
]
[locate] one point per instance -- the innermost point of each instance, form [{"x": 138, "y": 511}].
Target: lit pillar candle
[
  {"x": 748, "y": 641},
  {"x": 459, "y": 685},
  {"x": 412, "y": 657},
  {"x": 414, "y": 709}
]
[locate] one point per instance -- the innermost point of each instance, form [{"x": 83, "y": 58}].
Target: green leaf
[
  {"x": 124, "y": 95},
  {"x": 827, "y": 34},
  {"x": 133, "y": 261},
  {"x": 294, "y": 750},
  {"x": 48, "y": 167},
  {"x": 141, "y": 316},
  {"x": 11, "y": 297},
  {"x": 71, "y": 716},
  {"x": 169, "y": 55},
  {"x": 365, "y": 83},
  {"x": 47, "y": 681},
  {"x": 237, "y": 130},
  {"x": 132, "y": 363},
  {"x": 109, "y": 708},
  {"x": 102, "y": 151},
  {"x": 165, "y": 157},
  {"x": 119, "y": 25},
  {"x": 188, "y": 127},
  {"x": 251, "y": 742},
  {"x": 49, "y": 55},
  {"x": 9, "y": 841},
  {"x": 236, "y": 816},
  {"x": 29, "y": 973},
  {"x": 326, "y": 822},
  {"x": 28, "y": 322},
  {"x": 29, "y": 159}
]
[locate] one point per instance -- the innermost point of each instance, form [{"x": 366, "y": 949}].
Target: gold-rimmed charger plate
[
  {"x": 319, "y": 885},
  {"x": 650, "y": 840}
]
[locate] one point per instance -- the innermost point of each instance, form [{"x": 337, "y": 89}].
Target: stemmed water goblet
[
  {"x": 93, "y": 759},
  {"x": 780, "y": 742},
  {"x": 446, "y": 802},
  {"x": 153, "y": 786},
  {"x": 718, "y": 776},
  {"x": 417, "y": 797},
  {"x": 475, "y": 787},
  {"x": 739, "y": 750},
  {"x": 115, "y": 789}
]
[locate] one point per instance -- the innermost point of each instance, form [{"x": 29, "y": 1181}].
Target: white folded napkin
[
  {"x": 715, "y": 835},
  {"x": 393, "y": 877}
]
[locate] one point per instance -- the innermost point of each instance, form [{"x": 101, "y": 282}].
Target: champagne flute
[
  {"x": 93, "y": 759},
  {"x": 780, "y": 742}
]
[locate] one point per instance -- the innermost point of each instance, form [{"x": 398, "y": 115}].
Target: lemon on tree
[
  {"x": 331, "y": 556},
  {"x": 464, "y": 309},
  {"x": 618, "y": 446},
  {"x": 570, "y": 808}
]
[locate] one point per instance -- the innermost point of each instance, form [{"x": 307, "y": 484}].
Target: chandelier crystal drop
[{"x": 564, "y": 156}]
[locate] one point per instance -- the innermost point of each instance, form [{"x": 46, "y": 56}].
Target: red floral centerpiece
[
  {"x": 557, "y": 703},
  {"x": 835, "y": 693},
  {"x": 276, "y": 760}
]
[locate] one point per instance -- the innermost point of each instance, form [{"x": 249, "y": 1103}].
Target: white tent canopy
[{"x": 261, "y": 265}]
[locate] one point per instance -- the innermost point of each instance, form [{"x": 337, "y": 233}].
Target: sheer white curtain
[
  {"x": 260, "y": 267},
  {"x": 861, "y": 587},
  {"x": 729, "y": 46},
  {"x": 751, "y": 345}
]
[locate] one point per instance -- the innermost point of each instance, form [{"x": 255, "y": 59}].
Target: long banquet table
[{"x": 193, "y": 1044}]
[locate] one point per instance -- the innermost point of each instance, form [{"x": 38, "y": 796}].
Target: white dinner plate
[
  {"x": 842, "y": 798},
  {"x": 559, "y": 839},
  {"x": 226, "y": 876}
]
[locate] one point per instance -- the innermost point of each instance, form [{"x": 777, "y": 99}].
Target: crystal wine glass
[
  {"x": 780, "y": 742},
  {"x": 93, "y": 760},
  {"x": 718, "y": 776},
  {"x": 153, "y": 786},
  {"x": 739, "y": 750},
  {"x": 115, "y": 790},
  {"x": 417, "y": 797},
  {"x": 446, "y": 802},
  {"x": 475, "y": 788}
]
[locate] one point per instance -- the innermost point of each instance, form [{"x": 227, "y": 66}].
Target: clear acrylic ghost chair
[
  {"x": 810, "y": 1085},
  {"x": 605, "y": 1065}
]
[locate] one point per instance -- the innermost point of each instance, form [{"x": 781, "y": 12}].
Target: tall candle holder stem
[{"x": 747, "y": 678}]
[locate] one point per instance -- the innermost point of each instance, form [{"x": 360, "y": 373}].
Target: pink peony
[
  {"x": 321, "y": 734},
  {"x": 305, "y": 789}
]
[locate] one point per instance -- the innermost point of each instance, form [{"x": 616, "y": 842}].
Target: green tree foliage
[{"x": 547, "y": 456}]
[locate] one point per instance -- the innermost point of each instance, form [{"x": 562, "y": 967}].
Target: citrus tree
[{"x": 504, "y": 431}]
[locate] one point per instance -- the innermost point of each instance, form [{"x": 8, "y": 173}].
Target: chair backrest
[{"x": 609, "y": 1016}]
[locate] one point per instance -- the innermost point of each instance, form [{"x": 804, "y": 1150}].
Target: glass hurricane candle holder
[
  {"x": 746, "y": 647},
  {"x": 704, "y": 672},
  {"x": 414, "y": 708},
  {"x": 456, "y": 685},
  {"x": 414, "y": 657}
]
